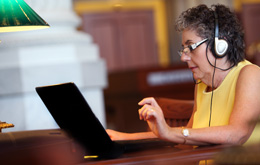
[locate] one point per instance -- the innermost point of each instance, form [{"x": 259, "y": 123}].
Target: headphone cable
[{"x": 212, "y": 92}]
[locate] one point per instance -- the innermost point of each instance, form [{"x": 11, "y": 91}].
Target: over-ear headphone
[{"x": 220, "y": 45}]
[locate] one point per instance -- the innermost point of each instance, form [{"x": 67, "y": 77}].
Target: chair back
[{"x": 176, "y": 112}]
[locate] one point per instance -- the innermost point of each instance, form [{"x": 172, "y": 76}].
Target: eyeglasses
[{"x": 186, "y": 50}]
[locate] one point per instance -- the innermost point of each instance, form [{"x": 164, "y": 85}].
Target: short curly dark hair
[{"x": 202, "y": 20}]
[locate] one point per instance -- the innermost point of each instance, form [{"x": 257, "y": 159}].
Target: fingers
[
  {"x": 146, "y": 112},
  {"x": 149, "y": 101}
]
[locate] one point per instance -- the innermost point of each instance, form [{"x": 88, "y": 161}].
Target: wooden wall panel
[
  {"x": 251, "y": 22},
  {"x": 250, "y": 16},
  {"x": 126, "y": 39}
]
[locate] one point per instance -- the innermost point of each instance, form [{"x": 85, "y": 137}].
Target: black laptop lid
[{"x": 73, "y": 114}]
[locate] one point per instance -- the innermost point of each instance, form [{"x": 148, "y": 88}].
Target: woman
[{"x": 226, "y": 94}]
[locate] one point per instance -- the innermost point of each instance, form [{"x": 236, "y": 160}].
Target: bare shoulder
[
  {"x": 251, "y": 67},
  {"x": 250, "y": 73},
  {"x": 248, "y": 82}
]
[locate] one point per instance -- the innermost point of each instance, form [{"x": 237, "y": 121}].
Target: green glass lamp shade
[{"x": 16, "y": 15}]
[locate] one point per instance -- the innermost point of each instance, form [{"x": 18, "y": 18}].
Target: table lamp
[{"x": 17, "y": 15}]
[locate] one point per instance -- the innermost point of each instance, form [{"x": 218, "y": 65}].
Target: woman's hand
[
  {"x": 152, "y": 113},
  {"x": 115, "y": 135}
]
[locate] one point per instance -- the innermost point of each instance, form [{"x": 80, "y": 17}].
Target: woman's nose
[{"x": 185, "y": 58}]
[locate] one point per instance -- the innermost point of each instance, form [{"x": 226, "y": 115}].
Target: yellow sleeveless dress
[{"x": 223, "y": 101}]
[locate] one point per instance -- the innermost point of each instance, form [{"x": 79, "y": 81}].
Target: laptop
[{"x": 73, "y": 114}]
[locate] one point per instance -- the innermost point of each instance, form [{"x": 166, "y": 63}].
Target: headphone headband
[
  {"x": 220, "y": 45},
  {"x": 216, "y": 24}
]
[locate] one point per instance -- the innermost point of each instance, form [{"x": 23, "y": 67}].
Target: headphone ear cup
[{"x": 221, "y": 47}]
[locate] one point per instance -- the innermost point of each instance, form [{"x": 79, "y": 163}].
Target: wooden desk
[
  {"x": 172, "y": 155},
  {"x": 54, "y": 147}
]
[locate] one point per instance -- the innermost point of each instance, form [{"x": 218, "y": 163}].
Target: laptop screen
[{"x": 73, "y": 114}]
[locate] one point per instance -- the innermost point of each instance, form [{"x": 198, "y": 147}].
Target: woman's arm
[
  {"x": 241, "y": 124},
  {"x": 115, "y": 135}
]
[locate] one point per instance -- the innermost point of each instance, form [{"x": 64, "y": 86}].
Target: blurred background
[{"x": 116, "y": 51}]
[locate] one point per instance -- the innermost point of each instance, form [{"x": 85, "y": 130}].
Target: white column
[{"x": 43, "y": 57}]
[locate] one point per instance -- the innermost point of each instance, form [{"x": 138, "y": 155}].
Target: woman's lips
[{"x": 193, "y": 68}]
